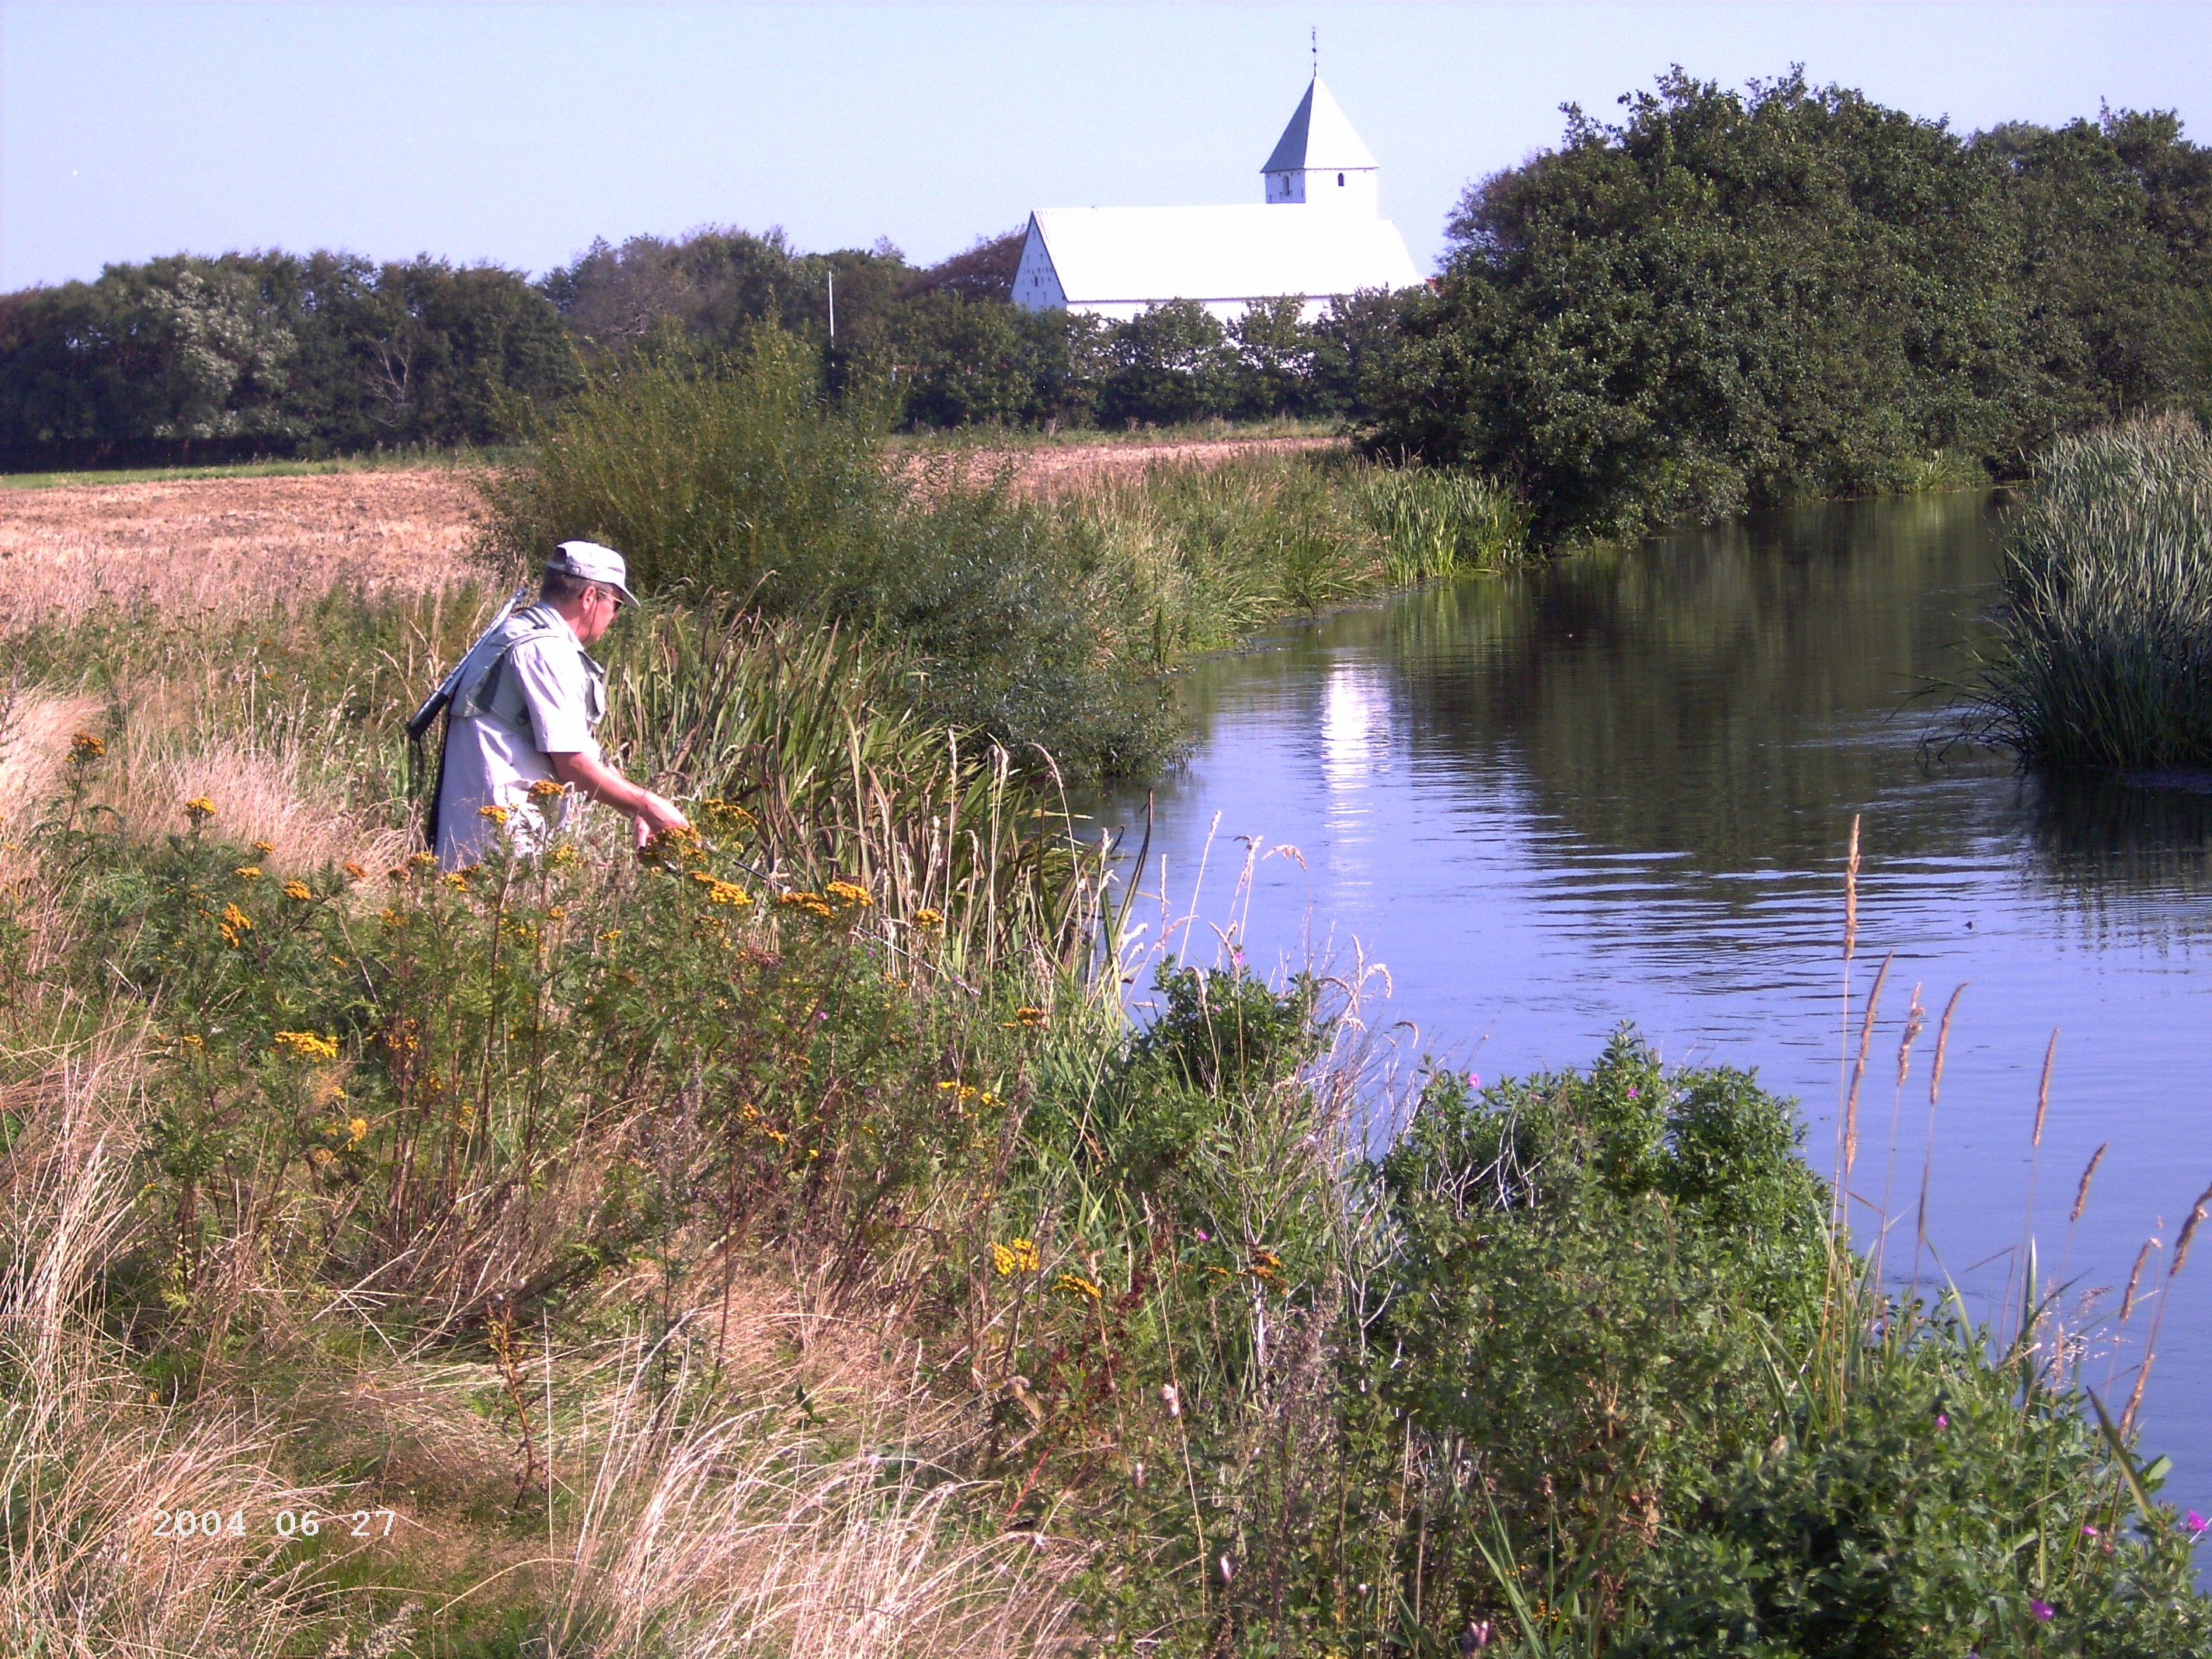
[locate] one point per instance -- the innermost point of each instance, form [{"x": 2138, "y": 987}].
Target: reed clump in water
[{"x": 2103, "y": 653}]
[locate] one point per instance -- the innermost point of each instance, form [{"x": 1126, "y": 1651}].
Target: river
[{"x": 1619, "y": 787}]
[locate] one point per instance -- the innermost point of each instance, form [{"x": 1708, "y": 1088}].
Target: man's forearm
[{"x": 592, "y": 776}]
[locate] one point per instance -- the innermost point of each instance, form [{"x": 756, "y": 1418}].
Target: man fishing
[{"x": 521, "y": 707}]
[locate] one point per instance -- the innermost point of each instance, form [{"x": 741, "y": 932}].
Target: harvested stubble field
[
  {"x": 1050, "y": 469},
  {"x": 221, "y": 544}
]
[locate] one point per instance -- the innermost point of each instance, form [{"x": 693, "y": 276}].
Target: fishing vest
[{"x": 484, "y": 670}]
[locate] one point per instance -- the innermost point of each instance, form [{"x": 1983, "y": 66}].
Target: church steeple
[{"x": 1318, "y": 160}]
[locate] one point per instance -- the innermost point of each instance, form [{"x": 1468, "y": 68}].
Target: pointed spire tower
[{"x": 1318, "y": 160}]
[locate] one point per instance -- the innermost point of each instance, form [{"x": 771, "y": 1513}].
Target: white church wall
[{"x": 1353, "y": 189}]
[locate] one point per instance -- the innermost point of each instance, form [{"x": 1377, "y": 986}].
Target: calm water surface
[{"x": 1620, "y": 788}]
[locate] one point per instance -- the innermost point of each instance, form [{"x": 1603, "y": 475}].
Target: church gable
[{"x": 1038, "y": 286}]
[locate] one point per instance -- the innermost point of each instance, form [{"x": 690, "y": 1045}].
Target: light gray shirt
[{"x": 547, "y": 696}]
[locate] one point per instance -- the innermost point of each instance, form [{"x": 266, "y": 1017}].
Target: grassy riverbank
[
  {"x": 2103, "y": 650},
  {"x": 785, "y": 1248}
]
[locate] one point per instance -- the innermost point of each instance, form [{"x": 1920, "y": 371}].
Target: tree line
[
  {"x": 1726, "y": 299},
  {"x": 273, "y": 354},
  {"x": 189, "y": 359}
]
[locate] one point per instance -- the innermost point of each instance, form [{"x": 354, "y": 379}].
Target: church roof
[
  {"x": 1107, "y": 255},
  {"x": 1318, "y": 138}
]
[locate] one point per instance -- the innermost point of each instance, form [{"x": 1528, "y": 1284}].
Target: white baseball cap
[{"x": 593, "y": 563}]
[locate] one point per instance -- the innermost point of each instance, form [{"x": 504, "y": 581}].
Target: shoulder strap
[{"x": 480, "y": 679}]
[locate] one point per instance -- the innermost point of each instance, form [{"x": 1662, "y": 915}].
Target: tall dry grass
[
  {"x": 86, "y": 1459},
  {"x": 740, "y": 1533},
  {"x": 708, "y": 1516},
  {"x": 276, "y": 788}
]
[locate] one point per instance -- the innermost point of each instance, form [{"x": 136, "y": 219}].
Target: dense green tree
[
  {"x": 1171, "y": 362},
  {"x": 1727, "y": 299},
  {"x": 984, "y": 271},
  {"x": 177, "y": 351},
  {"x": 968, "y": 362},
  {"x": 1275, "y": 350},
  {"x": 1350, "y": 341},
  {"x": 1733, "y": 298},
  {"x": 717, "y": 284}
]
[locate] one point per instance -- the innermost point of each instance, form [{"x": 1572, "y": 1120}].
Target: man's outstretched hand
[{"x": 656, "y": 815}]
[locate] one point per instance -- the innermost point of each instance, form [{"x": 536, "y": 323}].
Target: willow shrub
[
  {"x": 1591, "y": 1272},
  {"x": 734, "y": 482},
  {"x": 2103, "y": 652}
]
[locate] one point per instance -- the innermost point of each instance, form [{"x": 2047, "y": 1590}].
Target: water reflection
[
  {"x": 1619, "y": 788},
  {"x": 2148, "y": 830}
]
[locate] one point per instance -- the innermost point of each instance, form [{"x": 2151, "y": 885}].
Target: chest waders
[{"x": 471, "y": 685}]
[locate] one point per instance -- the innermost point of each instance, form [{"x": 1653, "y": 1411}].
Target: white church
[{"x": 1319, "y": 232}]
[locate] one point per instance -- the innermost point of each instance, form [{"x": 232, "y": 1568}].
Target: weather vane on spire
[{"x": 1314, "y": 36}]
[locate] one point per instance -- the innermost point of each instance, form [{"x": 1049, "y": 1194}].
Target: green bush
[
  {"x": 1592, "y": 1276},
  {"x": 728, "y": 476},
  {"x": 1171, "y": 364},
  {"x": 1949, "y": 1505}
]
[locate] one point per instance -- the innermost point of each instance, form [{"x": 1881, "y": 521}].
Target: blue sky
[{"x": 516, "y": 133}]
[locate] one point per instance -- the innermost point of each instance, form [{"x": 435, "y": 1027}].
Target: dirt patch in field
[
  {"x": 224, "y": 544},
  {"x": 1056, "y": 469}
]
